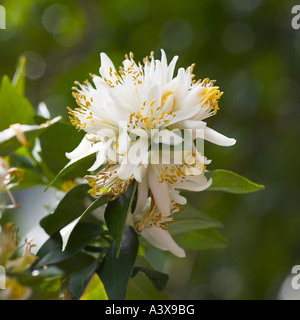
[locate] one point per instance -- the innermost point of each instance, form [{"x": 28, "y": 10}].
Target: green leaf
[
  {"x": 67, "y": 230},
  {"x": 141, "y": 288},
  {"x": 95, "y": 290},
  {"x": 14, "y": 108},
  {"x": 116, "y": 215},
  {"x": 201, "y": 239},
  {"x": 31, "y": 178},
  {"x": 19, "y": 77},
  {"x": 192, "y": 219},
  {"x": 159, "y": 279},
  {"x": 8, "y": 137},
  {"x": 84, "y": 162},
  {"x": 79, "y": 281},
  {"x": 228, "y": 181},
  {"x": 70, "y": 208},
  {"x": 55, "y": 142},
  {"x": 75, "y": 263},
  {"x": 51, "y": 252},
  {"x": 116, "y": 272}
]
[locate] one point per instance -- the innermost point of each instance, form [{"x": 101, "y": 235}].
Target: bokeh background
[{"x": 251, "y": 49}]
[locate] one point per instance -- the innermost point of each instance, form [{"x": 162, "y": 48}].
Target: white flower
[
  {"x": 152, "y": 225},
  {"x": 127, "y": 116},
  {"x": 6, "y": 176},
  {"x": 154, "y": 231}
]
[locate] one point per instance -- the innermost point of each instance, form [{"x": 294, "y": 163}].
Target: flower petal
[
  {"x": 139, "y": 173},
  {"x": 218, "y": 138},
  {"x": 171, "y": 68},
  {"x": 107, "y": 69},
  {"x": 177, "y": 197},
  {"x": 162, "y": 239},
  {"x": 167, "y": 137},
  {"x": 191, "y": 124},
  {"x": 142, "y": 195},
  {"x": 160, "y": 193},
  {"x": 194, "y": 183},
  {"x": 101, "y": 157},
  {"x": 81, "y": 150}
]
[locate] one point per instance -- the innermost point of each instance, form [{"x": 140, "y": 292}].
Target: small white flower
[
  {"x": 130, "y": 112},
  {"x": 6, "y": 176}
]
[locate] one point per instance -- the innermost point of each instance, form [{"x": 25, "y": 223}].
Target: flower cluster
[
  {"x": 135, "y": 118},
  {"x": 8, "y": 248}
]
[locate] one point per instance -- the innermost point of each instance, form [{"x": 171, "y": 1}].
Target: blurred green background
[{"x": 250, "y": 48}]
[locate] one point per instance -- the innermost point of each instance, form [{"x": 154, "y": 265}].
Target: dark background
[{"x": 252, "y": 51}]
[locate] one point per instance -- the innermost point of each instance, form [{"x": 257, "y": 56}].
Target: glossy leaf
[
  {"x": 192, "y": 219},
  {"x": 51, "y": 251},
  {"x": 14, "y": 107},
  {"x": 228, "y": 181},
  {"x": 55, "y": 142},
  {"x": 71, "y": 166},
  {"x": 116, "y": 272},
  {"x": 201, "y": 239},
  {"x": 69, "y": 208},
  {"x": 79, "y": 281},
  {"x": 67, "y": 230},
  {"x": 116, "y": 215},
  {"x": 159, "y": 279},
  {"x": 141, "y": 288},
  {"x": 19, "y": 77}
]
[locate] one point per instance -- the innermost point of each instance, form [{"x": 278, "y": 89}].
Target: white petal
[
  {"x": 126, "y": 170},
  {"x": 142, "y": 195},
  {"x": 81, "y": 150},
  {"x": 138, "y": 152},
  {"x": 195, "y": 183},
  {"x": 171, "y": 68},
  {"x": 96, "y": 147},
  {"x": 167, "y": 137},
  {"x": 160, "y": 193},
  {"x": 162, "y": 239},
  {"x": 139, "y": 173},
  {"x": 218, "y": 138},
  {"x": 190, "y": 124},
  {"x": 124, "y": 140},
  {"x": 107, "y": 69},
  {"x": 169, "y": 103},
  {"x": 184, "y": 114},
  {"x": 177, "y": 197},
  {"x": 164, "y": 67},
  {"x": 154, "y": 95},
  {"x": 43, "y": 110},
  {"x": 100, "y": 84},
  {"x": 163, "y": 58},
  {"x": 101, "y": 156}
]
